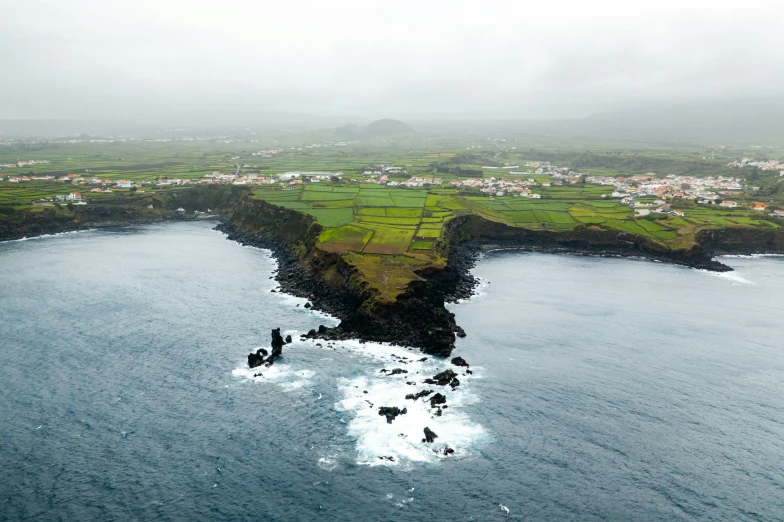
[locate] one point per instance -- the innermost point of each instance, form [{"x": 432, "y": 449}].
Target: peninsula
[{"x": 383, "y": 235}]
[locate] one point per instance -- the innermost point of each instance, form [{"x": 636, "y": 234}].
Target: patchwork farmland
[{"x": 375, "y": 219}]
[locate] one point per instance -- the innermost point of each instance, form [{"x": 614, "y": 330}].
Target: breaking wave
[{"x": 375, "y": 439}]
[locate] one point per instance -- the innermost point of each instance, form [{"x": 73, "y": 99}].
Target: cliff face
[
  {"x": 416, "y": 316},
  {"x": 336, "y": 284},
  {"x": 590, "y": 240},
  {"x": 29, "y": 222},
  {"x": 741, "y": 240},
  {"x": 397, "y": 299}
]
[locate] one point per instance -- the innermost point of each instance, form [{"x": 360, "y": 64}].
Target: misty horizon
[{"x": 360, "y": 62}]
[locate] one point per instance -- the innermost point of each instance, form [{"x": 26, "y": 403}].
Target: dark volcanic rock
[
  {"x": 390, "y": 412},
  {"x": 454, "y": 383},
  {"x": 398, "y": 371},
  {"x": 256, "y": 359},
  {"x": 460, "y": 332},
  {"x": 308, "y": 305},
  {"x": 288, "y": 339},
  {"x": 437, "y": 399},
  {"x": 443, "y": 378},
  {"x": 415, "y": 396},
  {"x": 430, "y": 435},
  {"x": 277, "y": 347},
  {"x": 418, "y": 317},
  {"x": 448, "y": 451},
  {"x": 459, "y": 361}
]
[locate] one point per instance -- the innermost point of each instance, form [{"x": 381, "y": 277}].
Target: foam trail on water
[
  {"x": 732, "y": 277},
  {"x": 751, "y": 256},
  {"x": 45, "y": 236}
]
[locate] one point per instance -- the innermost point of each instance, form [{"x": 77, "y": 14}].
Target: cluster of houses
[
  {"x": 73, "y": 197},
  {"x": 500, "y": 187},
  {"x": 76, "y": 179},
  {"x": 705, "y": 191},
  {"x": 702, "y": 190},
  {"x": 28, "y": 163},
  {"x": 762, "y": 165},
  {"x": 270, "y": 153}
]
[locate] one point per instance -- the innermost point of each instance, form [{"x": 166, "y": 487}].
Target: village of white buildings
[{"x": 511, "y": 181}]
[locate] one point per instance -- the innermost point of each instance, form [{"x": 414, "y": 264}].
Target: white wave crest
[
  {"x": 283, "y": 375},
  {"x": 376, "y": 440},
  {"x": 46, "y": 236},
  {"x": 732, "y": 277}
]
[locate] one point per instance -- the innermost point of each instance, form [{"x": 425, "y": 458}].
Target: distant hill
[
  {"x": 735, "y": 120},
  {"x": 388, "y": 126},
  {"x": 747, "y": 121},
  {"x": 384, "y": 127}
]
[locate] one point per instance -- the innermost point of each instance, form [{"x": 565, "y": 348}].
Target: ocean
[{"x": 602, "y": 389}]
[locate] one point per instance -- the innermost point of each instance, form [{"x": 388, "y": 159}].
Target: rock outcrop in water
[
  {"x": 437, "y": 399},
  {"x": 390, "y": 412},
  {"x": 430, "y": 435},
  {"x": 444, "y": 378},
  {"x": 415, "y": 396},
  {"x": 258, "y": 358},
  {"x": 459, "y": 361}
]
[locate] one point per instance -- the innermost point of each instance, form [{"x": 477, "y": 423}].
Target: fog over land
[{"x": 354, "y": 60}]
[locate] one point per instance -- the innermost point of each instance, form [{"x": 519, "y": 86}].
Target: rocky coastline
[
  {"x": 433, "y": 400},
  {"x": 58, "y": 227},
  {"x": 419, "y": 318}
]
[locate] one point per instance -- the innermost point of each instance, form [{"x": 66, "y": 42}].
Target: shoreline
[
  {"x": 451, "y": 284},
  {"x": 419, "y": 317}
]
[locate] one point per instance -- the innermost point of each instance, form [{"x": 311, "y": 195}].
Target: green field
[{"x": 363, "y": 218}]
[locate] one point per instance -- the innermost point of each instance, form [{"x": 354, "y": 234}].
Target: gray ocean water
[{"x": 603, "y": 389}]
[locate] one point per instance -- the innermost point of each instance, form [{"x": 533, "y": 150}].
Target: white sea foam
[
  {"x": 286, "y": 376},
  {"x": 373, "y": 437},
  {"x": 751, "y": 256},
  {"x": 402, "y": 439},
  {"x": 45, "y": 236},
  {"x": 292, "y": 301},
  {"x": 328, "y": 462},
  {"x": 732, "y": 277}
]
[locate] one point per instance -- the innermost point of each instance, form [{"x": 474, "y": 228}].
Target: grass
[
  {"x": 347, "y": 238},
  {"x": 387, "y": 240}
]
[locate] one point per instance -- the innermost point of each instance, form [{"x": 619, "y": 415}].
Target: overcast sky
[{"x": 406, "y": 59}]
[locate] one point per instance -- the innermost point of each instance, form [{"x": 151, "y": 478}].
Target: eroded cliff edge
[
  {"x": 415, "y": 315},
  {"x": 398, "y": 299}
]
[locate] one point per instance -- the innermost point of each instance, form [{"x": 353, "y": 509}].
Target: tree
[{"x": 133, "y": 190}]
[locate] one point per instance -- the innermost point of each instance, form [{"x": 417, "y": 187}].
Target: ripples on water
[{"x": 602, "y": 389}]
